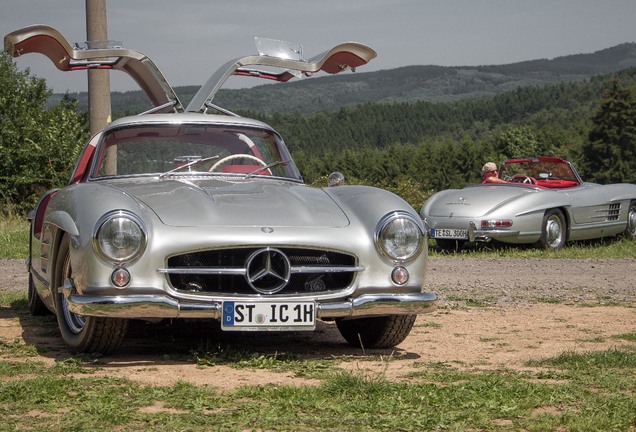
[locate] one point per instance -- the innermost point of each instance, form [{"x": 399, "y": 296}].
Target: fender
[{"x": 63, "y": 221}]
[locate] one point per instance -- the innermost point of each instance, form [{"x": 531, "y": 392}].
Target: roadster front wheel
[
  {"x": 552, "y": 230},
  {"x": 630, "y": 229},
  {"x": 376, "y": 332},
  {"x": 84, "y": 333}
]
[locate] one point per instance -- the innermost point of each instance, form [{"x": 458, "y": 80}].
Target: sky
[{"x": 189, "y": 39}]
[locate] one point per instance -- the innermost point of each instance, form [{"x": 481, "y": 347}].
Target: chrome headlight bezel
[
  {"x": 129, "y": 231},
  {"x": 399, "y": 237}
]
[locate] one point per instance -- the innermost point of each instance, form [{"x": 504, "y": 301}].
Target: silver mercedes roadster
[
  {"x": 543, "y": 202},
  {"x": 197, "y": 213}
]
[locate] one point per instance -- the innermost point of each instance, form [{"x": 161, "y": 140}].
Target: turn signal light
[
  {"x": 400, "y": 275},
  {"x": 120, "y": 277}
]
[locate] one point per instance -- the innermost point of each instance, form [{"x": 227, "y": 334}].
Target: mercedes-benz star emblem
[{"x": 267, "y": 270}]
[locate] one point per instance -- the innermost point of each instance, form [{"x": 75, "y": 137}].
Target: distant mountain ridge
[{"x": 405, "y": 84}]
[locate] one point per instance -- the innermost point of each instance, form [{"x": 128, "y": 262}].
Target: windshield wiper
[
  {"x": 187, "y": 165},
  {"x": 268, "y": 166}
]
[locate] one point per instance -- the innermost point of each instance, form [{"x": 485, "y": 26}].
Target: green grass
[
  {"x": 593, "y": 391},
  {"x": 14, "y": 238},
  {"x": 609, "y": 248},
  {"x": 279, "y": 362},
  {"x": 573, "y": 391},
  {"x": 627, "y": 336}
]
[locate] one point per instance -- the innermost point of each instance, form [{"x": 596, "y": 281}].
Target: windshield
[
  {"x": 540, "y": 170},
  {"x": 186, "y": 149}
]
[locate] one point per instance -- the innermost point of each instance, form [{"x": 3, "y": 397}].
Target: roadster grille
[{"x": 237, "y": 271}]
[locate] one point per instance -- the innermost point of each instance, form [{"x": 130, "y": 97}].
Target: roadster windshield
[
  {"x": 186, "y": 149},
  {"x": 545, "y": 170}
]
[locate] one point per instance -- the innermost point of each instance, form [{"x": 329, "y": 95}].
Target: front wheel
[
  {"x": 376, "y": 332},
  {"x": 552, "y": 230},
  {"x": 36, "y": 305},
  {"x": 84, "y": 333},
  {"x": 630, "y": 229}
]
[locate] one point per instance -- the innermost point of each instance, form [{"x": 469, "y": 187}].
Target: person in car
[{"x": 489, "y": 173}]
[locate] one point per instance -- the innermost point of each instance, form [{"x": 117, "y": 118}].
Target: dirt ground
[{"x": 493, "y": 314}]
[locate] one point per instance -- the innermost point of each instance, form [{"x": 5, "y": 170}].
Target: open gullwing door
[
  {"x": 286, "y": 61},
  {"x": 51, "y": 43}
]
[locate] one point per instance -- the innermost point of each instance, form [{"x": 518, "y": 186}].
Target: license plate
[
  {"x": 268, "y": 316},
  {"x": 449, "y": 233}
]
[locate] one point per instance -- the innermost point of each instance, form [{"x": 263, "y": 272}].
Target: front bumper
[{"x": 158, "y": 306}]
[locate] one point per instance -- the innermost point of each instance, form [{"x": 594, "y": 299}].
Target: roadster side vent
[
  {"x": 232, "y": 272},
  {"x": 613, "y": 212}
]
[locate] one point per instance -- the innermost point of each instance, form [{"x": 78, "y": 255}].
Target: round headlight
[
  {"x": 120, "y": 237},
  {"x": 399, "y": 237}
]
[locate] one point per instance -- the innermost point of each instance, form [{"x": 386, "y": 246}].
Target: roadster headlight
[
  {"x": 119, "y": 236},
  {"x": 399, "y": 237}
]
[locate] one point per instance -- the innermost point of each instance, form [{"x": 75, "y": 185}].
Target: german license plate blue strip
[{"x": 268, "y": 316}]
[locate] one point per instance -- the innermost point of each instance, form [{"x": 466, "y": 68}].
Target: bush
[{"x": 38, "y": 145}]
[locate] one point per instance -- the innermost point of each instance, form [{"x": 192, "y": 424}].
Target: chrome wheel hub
[
  {"x": 554, "y": 232},
  {"x": 74, "y": 322},
  {"x": 631, "y": 221}
]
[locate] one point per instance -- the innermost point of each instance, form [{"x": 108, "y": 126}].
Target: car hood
[
  {"x": 213, "y": 202},
  {"x": 475, "y": 200}
]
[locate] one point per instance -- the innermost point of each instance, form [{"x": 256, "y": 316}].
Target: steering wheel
[
  {"x": 236, "y": 156},
  {"x": 520, "y": 178}
]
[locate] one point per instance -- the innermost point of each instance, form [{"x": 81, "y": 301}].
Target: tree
[
  {"x": 609, "y": 155},
  {"x": 518, "y": 142},
  {"x": 38, "y": 145}
]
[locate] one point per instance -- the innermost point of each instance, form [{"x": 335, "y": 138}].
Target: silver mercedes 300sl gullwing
[{"x": 198, "y": 213}]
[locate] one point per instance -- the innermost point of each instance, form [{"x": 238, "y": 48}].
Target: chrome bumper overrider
[
  {"x": 156, "y": 306},
  {"x": 475, "y": 234}
]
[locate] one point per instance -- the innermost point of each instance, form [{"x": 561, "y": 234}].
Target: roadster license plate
[
  {"x": 268, "y": 316},
  {"x": 449, "y": 233}
]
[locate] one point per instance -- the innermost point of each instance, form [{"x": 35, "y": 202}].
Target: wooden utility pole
[{"x": 99, "y": 109}]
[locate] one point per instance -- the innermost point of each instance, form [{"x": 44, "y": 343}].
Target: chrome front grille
[{"x": 243, "y": 271}]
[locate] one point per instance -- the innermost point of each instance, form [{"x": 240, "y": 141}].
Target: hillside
[{"x": 406, "y": 84}]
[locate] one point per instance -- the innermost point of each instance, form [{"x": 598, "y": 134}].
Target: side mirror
[{"x": 335, "y": 179}]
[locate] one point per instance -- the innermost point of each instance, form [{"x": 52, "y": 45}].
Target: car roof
[{"x": 288, "y": 63}]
